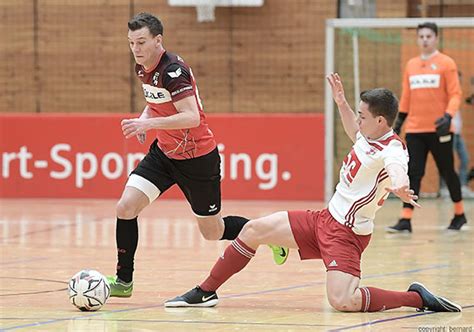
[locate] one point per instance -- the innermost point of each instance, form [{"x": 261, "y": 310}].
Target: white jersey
[{"x": 363, "y": 179}]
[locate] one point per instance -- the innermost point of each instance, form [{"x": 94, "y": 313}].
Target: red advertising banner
[{"x": 86, "y": 155}]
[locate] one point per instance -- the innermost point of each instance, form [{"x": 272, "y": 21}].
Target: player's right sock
[
  {"x": 119, "y": 288},
  {"x": 235, "y": 257}
]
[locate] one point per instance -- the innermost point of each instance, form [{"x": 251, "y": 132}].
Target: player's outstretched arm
[
  {"x": 348, "y": 117},
  {"x": 401, "y": 184}
]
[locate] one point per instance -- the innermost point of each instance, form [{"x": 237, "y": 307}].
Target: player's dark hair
[
  {"x": 382, "y": 102},
  {"x": 428, "y": 25},
  {"x": 146, "y": 20}
]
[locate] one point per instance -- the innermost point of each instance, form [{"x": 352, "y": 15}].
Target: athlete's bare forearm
[
  {"x": 348, "y": 117},
  {"x": 183, "y": 120},
  {"x": 401, "y": 184},
  {"x": 147, "y": 113},
  {"x": 349, "y": 120}
]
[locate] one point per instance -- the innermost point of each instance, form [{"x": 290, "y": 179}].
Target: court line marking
[
  {"x": 429, "y": 267},
  {"x": 206, "y": 322},
  {"x": 35, "y": 292},
  {"x": 379, "y": 321},
  {"x": 24, "y": 260},
  {"x": 46, "y": 230},
  {"x": 52, "y": 321}
]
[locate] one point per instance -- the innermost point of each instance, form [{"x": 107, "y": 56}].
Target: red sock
[
  {"x": 236, "y": 256},
  {"x": 376, "y": 299}
]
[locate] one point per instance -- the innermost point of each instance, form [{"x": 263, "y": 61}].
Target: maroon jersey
[{"x": 170, "y": 81}]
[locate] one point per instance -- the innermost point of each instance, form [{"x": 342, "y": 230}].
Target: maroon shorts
[{"x": 319, "y": 235}]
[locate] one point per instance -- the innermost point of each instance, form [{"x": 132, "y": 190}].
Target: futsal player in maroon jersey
[{"x": 183, "y": 153}]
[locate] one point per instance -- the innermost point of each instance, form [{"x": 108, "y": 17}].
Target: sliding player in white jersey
[{"x": 376, "y": 166}]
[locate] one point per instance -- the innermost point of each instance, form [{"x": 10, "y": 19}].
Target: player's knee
[
  {"x": 340, "y": 303},
  {"x": 126, "y": 210},
  {"x": 209, "y": 228}
]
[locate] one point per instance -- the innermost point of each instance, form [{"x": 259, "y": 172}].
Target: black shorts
[{"x": 199, "y": 178}]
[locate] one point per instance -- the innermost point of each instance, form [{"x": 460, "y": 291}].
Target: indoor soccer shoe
[
  {"x": 457, "y": 222},
  {"x": 280, "y": 254},
  {"x": 196, "y": 297},
  {"x": 119, "y": 288},
  {"x": 402, "y": 226},
  {"x": 432, "y": 302}
]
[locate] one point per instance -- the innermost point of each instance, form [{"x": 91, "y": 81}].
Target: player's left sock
[
  {"x": 376, "y": 299},
  {"x": 127, "y": 242},
  {"x": 235, "y": 258}
]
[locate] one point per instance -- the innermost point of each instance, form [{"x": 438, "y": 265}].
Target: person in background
[{"x": 431, "y": 96}]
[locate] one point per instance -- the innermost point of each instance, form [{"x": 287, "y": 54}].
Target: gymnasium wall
[{"x": 72, "y": 56}]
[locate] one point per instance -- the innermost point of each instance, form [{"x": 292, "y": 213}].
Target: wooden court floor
[{"x": 44, "y": 242}]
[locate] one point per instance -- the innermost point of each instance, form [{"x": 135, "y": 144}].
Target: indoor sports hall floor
[{"x": 44, "y": 242}]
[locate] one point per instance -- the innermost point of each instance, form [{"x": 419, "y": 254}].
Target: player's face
[
  {"x": 144, "y": 46},
  {"x": 427, "y": 40},
  {"x": 370, "y": 126}
]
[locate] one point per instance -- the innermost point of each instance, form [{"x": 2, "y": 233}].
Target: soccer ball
[{"x": 88, "y": 290}]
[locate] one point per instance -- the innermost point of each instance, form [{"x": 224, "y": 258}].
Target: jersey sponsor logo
[
  {"x": 424, "y": 81},
  {"x": 175, "y": 74},
  {"x": 156, "y": 95},
  {"x": 174, "y": 93}
]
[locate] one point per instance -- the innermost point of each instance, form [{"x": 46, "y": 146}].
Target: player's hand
[
  {"x": 134, "y": 127},
  {"x": 336, "y": 87},
  {"x": 443, "y": 125},
  {"x": 406, "y": 194},
  {"x": 141, "y": 138}
]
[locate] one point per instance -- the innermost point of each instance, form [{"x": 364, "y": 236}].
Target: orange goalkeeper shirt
[{"x": 430, "y": 89}]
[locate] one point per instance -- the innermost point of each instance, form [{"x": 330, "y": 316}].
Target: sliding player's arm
[{"x": 348, "y": 117}]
